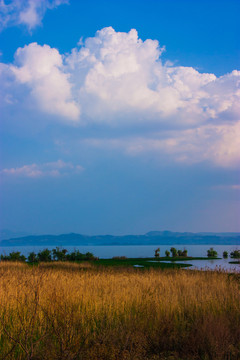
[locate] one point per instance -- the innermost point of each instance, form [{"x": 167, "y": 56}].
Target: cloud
[
  {"x": 218, "y": 144},
  {"x": 126, "y": 81},
  {"x": 227, "y": 187},
  {"x": 41, "y": 69},
  {"x": 115, "y": 79},
  {"x": 235, "y": 187},
  {"x": 25, "y": 12},
  {"x": 52, "y": 169}
]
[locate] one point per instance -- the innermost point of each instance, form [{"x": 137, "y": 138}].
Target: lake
[{"x": 133, "y": 251}]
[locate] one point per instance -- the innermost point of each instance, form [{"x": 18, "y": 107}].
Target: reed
[{"x": 74, "y": 311}]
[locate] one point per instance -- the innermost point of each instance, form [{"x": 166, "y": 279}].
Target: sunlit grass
[{"x": 78, "y": 311}]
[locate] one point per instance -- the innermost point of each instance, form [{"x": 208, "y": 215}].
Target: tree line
[
  {"x": 47, "y": 255},
  {"x": 211, "y": 253}
]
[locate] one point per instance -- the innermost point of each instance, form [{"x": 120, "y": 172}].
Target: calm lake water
[{"x": 106, "y": 252}]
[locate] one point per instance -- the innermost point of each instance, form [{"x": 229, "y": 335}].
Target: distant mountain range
[
  {"x": 8, "y": 234},
  {"x": 150, "y": 238}
]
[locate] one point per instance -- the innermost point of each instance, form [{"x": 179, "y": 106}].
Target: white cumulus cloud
[
  {"x": 117, "y": 79},
  {"x": 41, "y": 68},
  {"x": 126, "y": 80}
]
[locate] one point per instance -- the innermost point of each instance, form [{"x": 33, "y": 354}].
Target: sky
[{"x": 119, "y": 117}]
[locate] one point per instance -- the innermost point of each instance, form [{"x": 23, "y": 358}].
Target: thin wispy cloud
[
  {"x": 25, "y": 12},
  {"x": 218, "y": 144},
  {"x": 227, "y": 187},
  {"x": 50, "y": 169}
]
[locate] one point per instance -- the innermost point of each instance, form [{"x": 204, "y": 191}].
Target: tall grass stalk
[{"x": 73, "y": 311}]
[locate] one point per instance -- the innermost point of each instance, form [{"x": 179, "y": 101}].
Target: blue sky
[{"x": 119, "y": 116}]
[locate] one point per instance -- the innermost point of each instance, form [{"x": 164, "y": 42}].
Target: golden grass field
[{"x": 76, "y": 311}]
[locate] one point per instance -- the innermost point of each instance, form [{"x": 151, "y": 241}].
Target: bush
[
  {"x": 157, "y": 253},
  {"x": 212, "y": 253},
  {"x": 47, "y": 255},
  {"x": 77, "y": 256},
  {"x": 44, "y": 255},
  {"x": 32, "y": 257},
  {"x": 185, "y": 253},
  {"x": 225, "y": 254},
  {"x": 174, "y": 252},
  {"x": 59, "y": 254},
  {"x": 13, "y": 256},
  {"x": 89, "y": 256},
  {"x": 235, "y": 254},
  {"x": 182, "y": 253},
  {"x": 167, "y": 253}
]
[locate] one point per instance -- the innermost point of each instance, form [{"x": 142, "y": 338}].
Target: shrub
[
  {"x": 174, "y": 252},
  {"x": 32, "y": 257},
  {"x": 182, "y": 253},
  {"x": 89, "y": 256},
  {"x": 13, "y": 256},
  {"x": 235, "y": 254},
  {"x": 77, "y": 256},
  {"x": 59, "y": 254},
  {"x": 212, "y": 253},
  {"x": 44, "y": 255},
  {"x": 167, "y": 253},
  {"x": 185, "y": 253},
  {"x": 157, "y": 253},
  {"x": 225, "y": 254}
]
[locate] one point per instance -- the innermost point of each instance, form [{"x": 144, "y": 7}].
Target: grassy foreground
[{"x": 80, "y": 311}]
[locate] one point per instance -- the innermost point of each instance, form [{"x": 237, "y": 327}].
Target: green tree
[
  {"x": 44, "y": 255},
  {"x": 16, "y": 256},
  {"x": 225, "y": 254},
  {"x": 76, "y": 256},
  {"x": 13, "y": 256},
  {"x": 235, "y": 254},
  {"x": 167, "y": 253},
  {"x": 182, "y": 253},
  {"x": 32, "y": 257},
  {"x": 157, "y": 253},
  {"x": 185, "y": 253},
  {"x": 174, "y": 252},
  {"x": 212, "y": 253},
  {"x": 89, "y": 256},
  {"x": 59, "y": 254}
]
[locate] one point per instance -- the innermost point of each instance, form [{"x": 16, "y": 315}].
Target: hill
[{"x": 150, "y": 238}]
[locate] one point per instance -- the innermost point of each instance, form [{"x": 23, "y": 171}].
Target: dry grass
[{"x": 67, "y": 311}]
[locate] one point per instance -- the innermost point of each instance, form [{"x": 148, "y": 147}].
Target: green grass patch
[
  {"x": 182, "y": 258},
  {"x": 175, "y": 262},
  {"x": 145, "y": 262}
]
